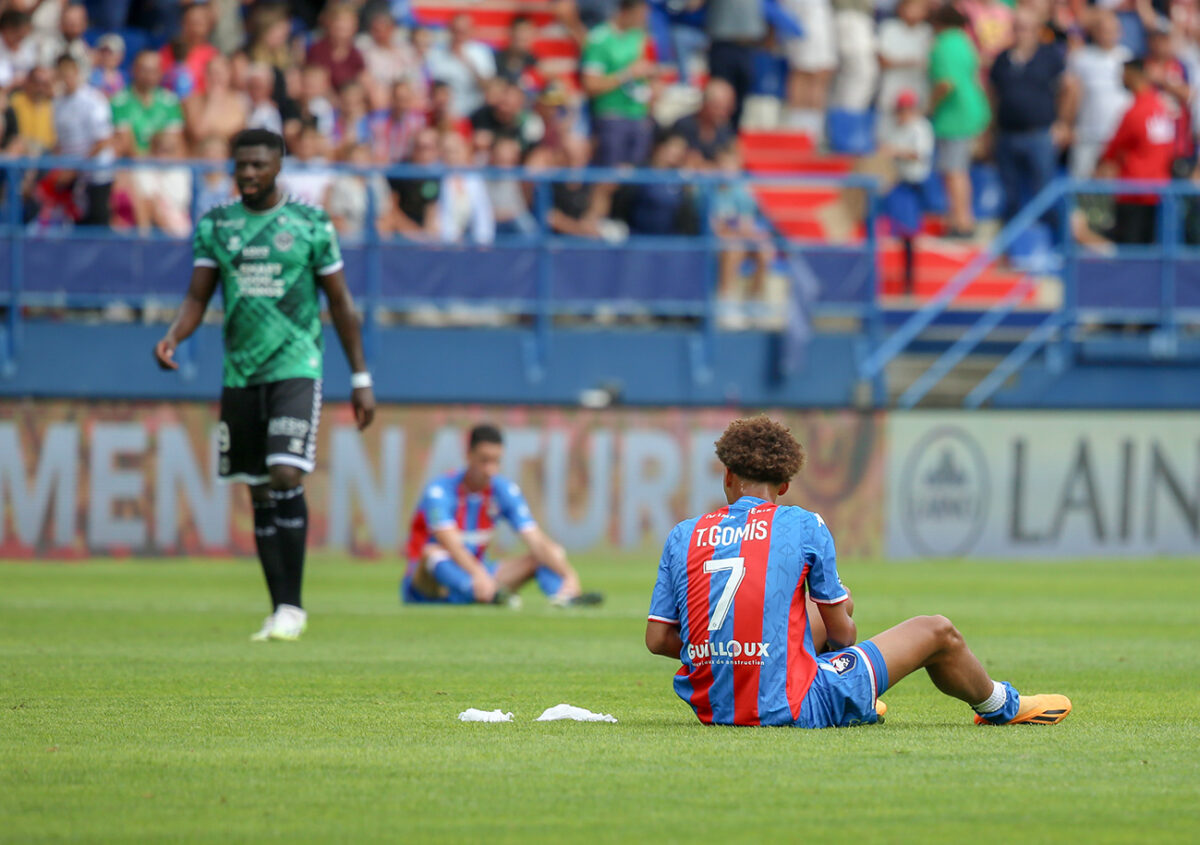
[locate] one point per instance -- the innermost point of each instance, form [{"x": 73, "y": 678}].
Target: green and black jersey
[{"x": 268, "y": 263}]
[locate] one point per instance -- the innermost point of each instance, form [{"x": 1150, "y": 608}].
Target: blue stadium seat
[{"x": 852, "y": 133}]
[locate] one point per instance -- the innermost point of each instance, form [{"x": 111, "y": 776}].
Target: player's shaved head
[{"x": 760, "y": 449}]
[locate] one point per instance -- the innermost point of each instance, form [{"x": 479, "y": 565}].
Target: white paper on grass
[
  {"x": 472, "y": 714},
  {"x": 578, "y": 714}
]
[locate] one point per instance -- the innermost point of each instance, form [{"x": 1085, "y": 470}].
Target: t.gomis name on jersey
[{"x": 727, "y": 535}]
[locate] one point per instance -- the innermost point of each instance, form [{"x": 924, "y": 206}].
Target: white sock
[{"x": 994, "y": 701}]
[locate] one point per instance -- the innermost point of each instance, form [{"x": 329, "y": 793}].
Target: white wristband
[{"x": 358, "y": 380}]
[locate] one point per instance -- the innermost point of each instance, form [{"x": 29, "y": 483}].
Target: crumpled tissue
[
  {"x": 578, "y": 714},
  {"x": 471, "y": 714}
]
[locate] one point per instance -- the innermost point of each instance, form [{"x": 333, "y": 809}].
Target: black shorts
[{"x": 268, "y": 424}]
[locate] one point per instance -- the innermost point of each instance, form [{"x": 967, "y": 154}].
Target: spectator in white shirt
[
  {"x": 1103, "y": 99},
  {"x": 162, "y": 196},
  {"x": 305, "y": 174},
  {"x": 18, "y": 51},
  {"x": 910, "y": 146},
  {"x": 68, "y": 38},
  {"x": 463, "y": 64},
  {"x": 83, "y": 129},
  {"x": 464, "y": 207},
  {"x": 904, "y": 45}
]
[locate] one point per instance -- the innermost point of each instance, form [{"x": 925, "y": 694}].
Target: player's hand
[
  {"x": 484, "y": 587},
  {"x": 164, "y": 354},
  {"x": 363, "y": 400}
]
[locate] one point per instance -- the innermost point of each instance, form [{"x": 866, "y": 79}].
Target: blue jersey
[
  {"x": 734, "y": 581},
  {"x": 446, "y": 502}
]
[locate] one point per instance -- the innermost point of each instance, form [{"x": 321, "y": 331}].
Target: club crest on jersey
[
  {"x": 234, "y": 243},
  {"x": 844, "y": 662},
  {"x": 283, "y": 240}
]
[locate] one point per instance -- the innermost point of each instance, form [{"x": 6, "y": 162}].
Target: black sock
[
  {"x": 291, "y": 523},
  {"x": 270, "y": 555}
]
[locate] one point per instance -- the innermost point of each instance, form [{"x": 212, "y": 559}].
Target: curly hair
[{"x": 760, "y": 449}]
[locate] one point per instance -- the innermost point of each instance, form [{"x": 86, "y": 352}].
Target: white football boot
[
  {"x": 290, "y": 622},
  {"x": 264, "y": 633}
]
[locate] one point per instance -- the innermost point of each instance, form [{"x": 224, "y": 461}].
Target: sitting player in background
[
  {"x": 452, "y": 528},
  {"x": 729, "y": 603}
]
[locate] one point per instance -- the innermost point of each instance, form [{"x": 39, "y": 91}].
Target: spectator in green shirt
[
  {"x": 144, "y": 109},
  {"x": 617, "y": 72},
  {"x": 960, "y": 112}
]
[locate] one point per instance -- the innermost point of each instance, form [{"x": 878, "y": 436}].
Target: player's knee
[
  {"x": 943, "y": 630},
  {"x": 285, "y": 477}
]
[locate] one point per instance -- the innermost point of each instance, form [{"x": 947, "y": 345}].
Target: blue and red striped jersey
[
  {"x": 447, "y": 502},
  {"x": 734, "y": 581}
]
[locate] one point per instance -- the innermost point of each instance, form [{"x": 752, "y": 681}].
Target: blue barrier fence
[
  {"x": 540, "y": 274},
  {"x": 1155, "y": 287}
]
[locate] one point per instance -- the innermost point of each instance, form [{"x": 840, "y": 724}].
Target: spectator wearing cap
[
  {"x": 1143, "y": 147},
  {"x": 960, "y": 112},
  {"x": 711, "y": 127},
  {"x": 1031, "y": 93},
  {"x": 736, "y": 31},
  {"x": 185, "y": 59},
  {"x": 107, "y": 76},
  {"x": 904, "y": 43},
  {"x": 1097, "y": 70},
  {"x": 617, "y": 70},
  {"x": 18, "y": 51},
  {"x": 144, "y": 109},
  {"x": 464, "y": 64},
  {"x": 83, "y": 126},
  {"x": 68, "y": 39},
  {"x": 910, "y": 146},
  {"x": 336, "y": 51}
]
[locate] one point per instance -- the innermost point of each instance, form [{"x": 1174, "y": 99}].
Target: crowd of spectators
[{"x": 1102, "y": 87}]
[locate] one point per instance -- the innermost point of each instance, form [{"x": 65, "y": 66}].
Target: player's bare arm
[
  {"x": 840, "y": 630},
  {"x": 483, "y": 584},
  {"x": 191, "y": 312},
  {"x": 551, "y": 555},
  {"x": 349, "y": 331},
  {"x": 663, "y": 638}
]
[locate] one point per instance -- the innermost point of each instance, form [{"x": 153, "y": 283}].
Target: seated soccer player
[
  {"x": 730, "y": 604},
  {"x": 452, "y": 527}
]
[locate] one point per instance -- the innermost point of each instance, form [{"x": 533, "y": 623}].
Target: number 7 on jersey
[{"x": 736, "y": 567}]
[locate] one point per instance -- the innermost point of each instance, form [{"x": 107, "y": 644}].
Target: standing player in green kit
[{"x": 272, "y": 255}]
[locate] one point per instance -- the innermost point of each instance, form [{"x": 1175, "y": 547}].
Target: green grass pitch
[{"x": 133, "y": 707}]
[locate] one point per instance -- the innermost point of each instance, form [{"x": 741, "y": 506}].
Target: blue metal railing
[
  {"x": 1122, "y": 302},
  {"x": 545, "y": 300}
]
